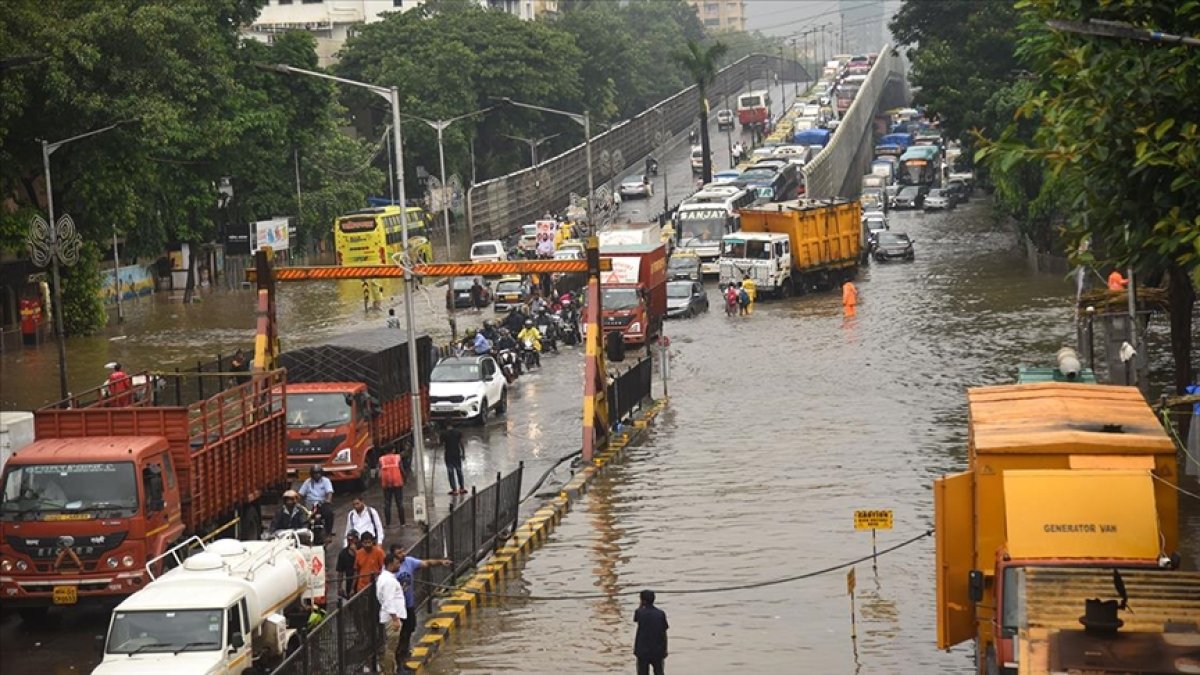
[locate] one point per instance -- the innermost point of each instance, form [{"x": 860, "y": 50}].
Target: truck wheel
[
  {"x": 481, "y": 419},
  {"x": 250, "y": 527},
  {"x": 33, "y": 615},
  {"x": 786, "y": 290},
  {"x": 502, "y": 406}
]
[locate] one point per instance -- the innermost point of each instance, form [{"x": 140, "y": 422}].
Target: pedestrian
[
  {"x": 345, "y": 565},
  {"x": 392, "y": 613},
  {"x": 743, "y": 300},
  {"x": 364, "y": 520},
  {"x": 1116, "y": 281},
  {"x": 751, "y": 290},
  {"x": 731, "y": 300},
  {"x": 650, "y": 644},
  {"x": 118, "y": 384},
  {"x": 392, "y": 320},
  {"x": 368, "y": 561},
  {"x": 317, "y": 494},
  {"x": 406, "y": 574},
  {"x": 240, "y": 364},
  {"x": 391, "y": 479},
  {"x": 477, "y": 295},
  {"x": 849, "y": 299},
  {"x": 452, "y": 454}
]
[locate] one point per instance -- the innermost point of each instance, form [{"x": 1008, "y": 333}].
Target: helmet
[
  {"x": 316, "y": 470},
  {"x": 291, "y": 494},
  {"x": 528, "y": 323},
  {"x": 489, "y": 323}
]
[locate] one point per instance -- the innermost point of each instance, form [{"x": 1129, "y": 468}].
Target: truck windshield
[
  {"x": 747, "y": 249},
  {"x": 48, "y": 489},
  {"x": 317, "y": 410},
  {"x": 619, "y": 298},
  {"x": 193, "y": 630}
]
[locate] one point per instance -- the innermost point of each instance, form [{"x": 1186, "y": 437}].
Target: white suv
[{"x": 467, "y": 387}]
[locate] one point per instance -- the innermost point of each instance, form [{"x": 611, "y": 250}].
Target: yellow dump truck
[
  {"x": 794, "y": 246},
  {"x": 1056, "y": 548}
]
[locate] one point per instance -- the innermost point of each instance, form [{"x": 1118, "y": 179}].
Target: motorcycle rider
[
  {"x": 545, "y": 321},
  {"x": 489, "y": 330},
  {"x": 291, "y": 516},
  {"x": 531, "y": 333},
  {"x": 515, "y": 320},
  {"x": 505, "y": 341},
  {"x": 317, "y": 492},
  {"x": 482, "y": 345}
]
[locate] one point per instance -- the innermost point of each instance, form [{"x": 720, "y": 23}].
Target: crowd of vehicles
[{"x": 1057, "y": 547}]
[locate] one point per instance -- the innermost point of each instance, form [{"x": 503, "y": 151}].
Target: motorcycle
[
  {"x": 549, "y": 334},
  {"x": 652, "y": 166},
  {"x": 567, "y": 328},
  {"x": 510, "y": 365},
  {"x": 530, "y": 355}
]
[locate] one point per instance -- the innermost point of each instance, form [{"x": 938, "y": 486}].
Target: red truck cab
[
  {"x": 634, "y": 292},
  {"x": 79, "y": 516},
  {"x": 329, "y": 423}
]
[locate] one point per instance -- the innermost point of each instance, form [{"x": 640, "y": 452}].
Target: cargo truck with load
[
  {"x": 106, "y": 488},
  {"x": 793, "y": 246},
  {"x": 634, "y": 293},
  {"x": 230, "y": 607},
  {"x": 348, "y": 400},
  {"x": 1067, "y": 514}
]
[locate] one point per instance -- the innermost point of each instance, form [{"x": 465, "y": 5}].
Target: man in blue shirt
[
  {"x": 482, "y": 346},
  {"x": 317, "y": 493},
  {"x": 405, "y": 575}
]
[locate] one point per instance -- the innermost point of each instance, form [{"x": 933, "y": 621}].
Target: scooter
[
  {"x": 566, "y": 328},
  {"x": 510, "y": 365},
  {"x": 530, "y": 355}
]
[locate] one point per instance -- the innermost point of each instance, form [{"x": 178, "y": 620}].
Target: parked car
[
  {"x": 462, "y": 292},
  {"x": 683, "y": 265},
  {"x": 893, "y": 246},
  {"x": 959, "y": 190},
  {"x": 938, "y": 200},
  {"x": 636, "y": 185},
  {"x": 725, "y": 119},
  {"x": 510, "y": 292},
  {"x": 490, "y": 250},
  {"x": 467, "y": 387},
  {"x": 908, "y": 198},
  {"x": 685, "y": 299}
]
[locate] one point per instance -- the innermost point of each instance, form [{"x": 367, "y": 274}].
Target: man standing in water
[{"x": 650, "y": 645}]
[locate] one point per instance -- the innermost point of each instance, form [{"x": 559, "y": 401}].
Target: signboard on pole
[
  {"x": 273, "y": 233},
  {"x": 873, "y": 519}
]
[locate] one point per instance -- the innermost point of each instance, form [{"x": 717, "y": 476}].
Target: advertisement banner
[
  {"x": 273, "y": 233},
  {"x": 625, "y": 270}
]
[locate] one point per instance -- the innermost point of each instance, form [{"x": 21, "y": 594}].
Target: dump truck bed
[
  {"x": 823, "y": 235},
  {"x": 1160, "y": 635}
]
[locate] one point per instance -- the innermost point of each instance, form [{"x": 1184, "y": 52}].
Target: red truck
[
  {"x": 110, "y": 484},
  {"x": 350, "y": 399},
  {"x": 634, "y": 292}
]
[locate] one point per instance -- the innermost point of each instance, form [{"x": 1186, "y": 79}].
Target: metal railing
[
  {"x": 496, "y": 208},
  {"x": 349, "y": 638},
  {"x": 629, "y": 390}
]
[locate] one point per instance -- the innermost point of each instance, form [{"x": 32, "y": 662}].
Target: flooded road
[{"x": 780, "y": 425}]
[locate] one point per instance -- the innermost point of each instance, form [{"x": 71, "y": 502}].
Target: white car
[
  {"x": 636, "y": 186},
  {"x": 491, "y": 250},
  {"x": 467, "y": 387}
]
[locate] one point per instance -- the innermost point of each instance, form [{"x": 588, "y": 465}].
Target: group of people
[{"x": 740, "y": 297}]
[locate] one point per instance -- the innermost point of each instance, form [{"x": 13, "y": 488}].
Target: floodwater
[{"x": 779, "y": 426}]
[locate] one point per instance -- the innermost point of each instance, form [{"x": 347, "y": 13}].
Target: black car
[
  {"x": 462, "y": 293},
  {"x": 893, "y": 246},
  {"x": 686, "y": 299},
  {"x": 959, "y": 190},
  {"x": 911, "y": 197}
]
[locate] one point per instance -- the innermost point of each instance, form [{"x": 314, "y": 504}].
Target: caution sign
[{"x": 873, "y": 519}]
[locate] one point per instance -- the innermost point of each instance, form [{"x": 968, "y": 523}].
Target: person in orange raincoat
[
  {"x": 1117, "y": 282},
  {"x": 849, "y": 298}
]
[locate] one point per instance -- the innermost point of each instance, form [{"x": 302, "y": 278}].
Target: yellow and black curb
[{"x": 454, "y": 609}]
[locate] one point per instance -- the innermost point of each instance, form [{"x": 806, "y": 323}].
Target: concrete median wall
[
  {"x": 496, "y": 208},
  {"x": 837, "y": 171}
]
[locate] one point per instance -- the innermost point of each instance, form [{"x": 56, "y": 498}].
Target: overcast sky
[{"x": 785, "y": 17}]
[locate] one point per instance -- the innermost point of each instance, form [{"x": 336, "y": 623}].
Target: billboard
[{"x": 273, "y": 233}]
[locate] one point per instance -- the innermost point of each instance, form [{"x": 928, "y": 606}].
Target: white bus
[{"x": 707, "y": 216}]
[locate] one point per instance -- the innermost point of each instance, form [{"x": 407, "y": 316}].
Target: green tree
[
  {"x": 1117, "y": 122},
  {"x": 701, "y": 64},
  {"x": 83, "y": 306}
]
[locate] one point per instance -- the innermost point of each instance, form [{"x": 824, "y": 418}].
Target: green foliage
[
  {"x": 701, "y": 63},
  {"x": 83, "y": 306}
]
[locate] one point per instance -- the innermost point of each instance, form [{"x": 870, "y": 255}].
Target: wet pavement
[{"x": 780, "y": 425}]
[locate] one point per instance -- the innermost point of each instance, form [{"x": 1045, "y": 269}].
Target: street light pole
[
  {"x": 586, "y": 120},
  {"x": 423, "y": 500}
]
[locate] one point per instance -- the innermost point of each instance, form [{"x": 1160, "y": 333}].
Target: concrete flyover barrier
[
  {"x": 497, "y": 207},
  {"x": 837, "y": 171}
]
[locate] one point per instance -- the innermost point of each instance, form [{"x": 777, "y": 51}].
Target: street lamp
[
  {"x": 586, "y": 121},
  {"x": 440, "y": 126},
  {"x": 533, "y": 144},
  {"x": 54, "y": 243},
  {"x": 423, "y": 500}
]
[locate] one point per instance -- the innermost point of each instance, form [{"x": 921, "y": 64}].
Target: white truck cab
[
  {"x": 219, "y": 611},
  {"x": 765, "y": 256}
]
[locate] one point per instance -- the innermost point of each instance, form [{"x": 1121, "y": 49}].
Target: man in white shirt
[
  {"x": 362, "y": 518},
  {"x": 392, "y": 612}
]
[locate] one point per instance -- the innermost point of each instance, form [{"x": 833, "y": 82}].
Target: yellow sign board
[
  {"x": 873, "y": 519},
  {"x": 1091, "y": 513},
  {"x": 65, "y": 595}
]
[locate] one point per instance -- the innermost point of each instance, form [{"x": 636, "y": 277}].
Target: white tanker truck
[{"x": 221, "y": 610}]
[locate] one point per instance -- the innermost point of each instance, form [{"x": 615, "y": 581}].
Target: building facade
[
  {"x": 721, "y": 15},
  {"x": 332, "y": 21}
]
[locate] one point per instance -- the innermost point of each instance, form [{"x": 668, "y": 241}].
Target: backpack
[{"x": 743, "y": 297}]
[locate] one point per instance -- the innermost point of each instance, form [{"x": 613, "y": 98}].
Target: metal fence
[
  {"x": 349, "y": 638},
  {"x": 496, "y": 208},
  {"x": 629, "y": 390},
  {"x": 838, "y": 169}
]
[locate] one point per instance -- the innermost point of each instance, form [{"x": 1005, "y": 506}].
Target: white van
[{"x": 491, "y": 250}]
